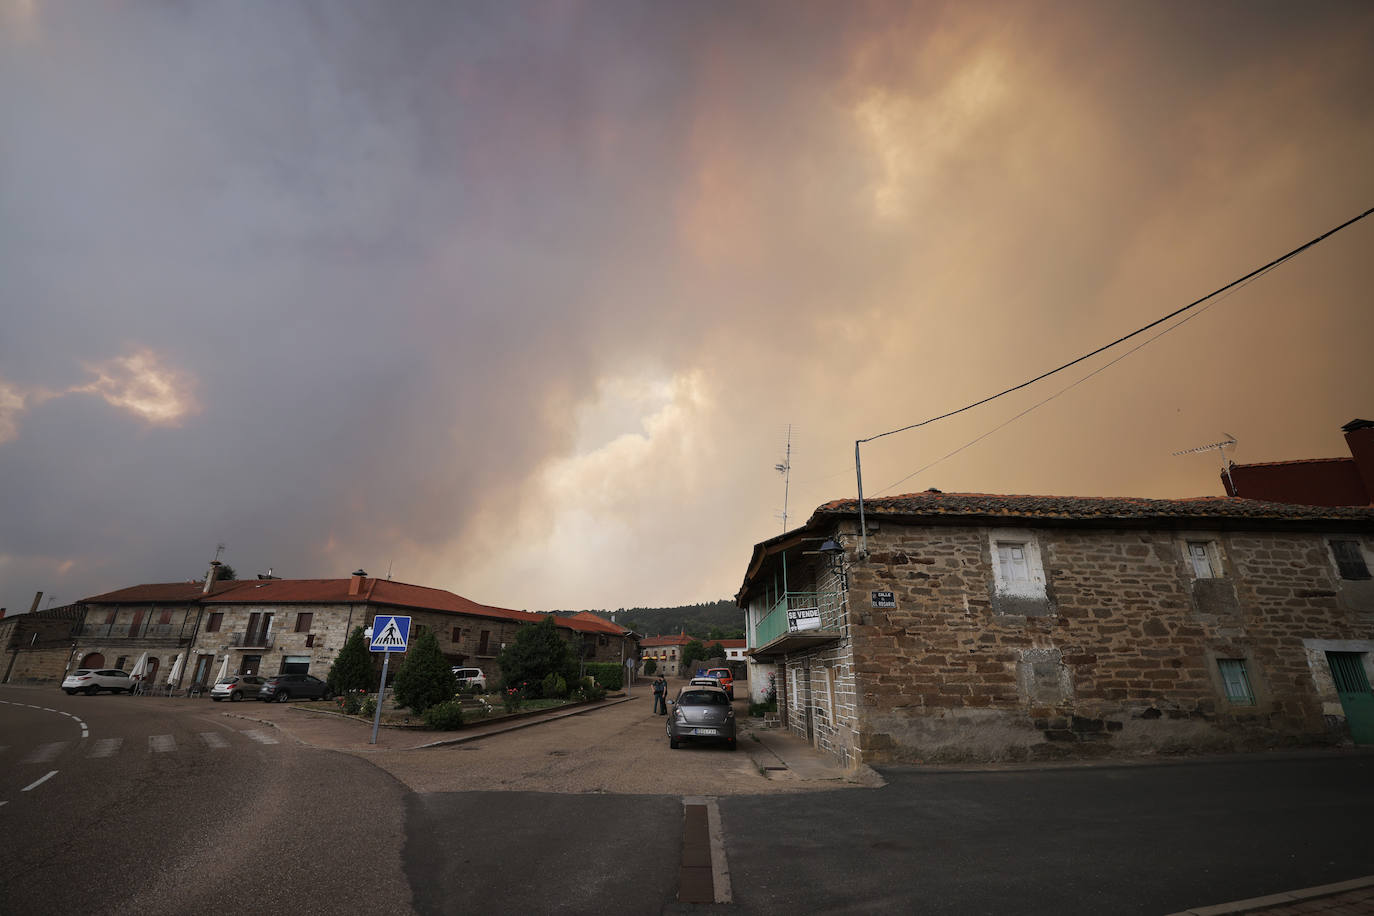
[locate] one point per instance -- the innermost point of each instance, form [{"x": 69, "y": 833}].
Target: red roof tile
[{"x": 158, "y": 592}]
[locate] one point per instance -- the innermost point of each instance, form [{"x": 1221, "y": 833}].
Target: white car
[
  {"x": 468, "y": 677},
  {"x": 91, "y": 681}
]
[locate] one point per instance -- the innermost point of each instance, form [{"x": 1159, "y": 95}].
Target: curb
[
  {"x": 523, "y": 723},
  {"x": 1259, "y": 904}
]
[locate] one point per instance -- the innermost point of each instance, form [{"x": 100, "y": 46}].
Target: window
[
  {"x": 482, "y": 641},
  {"x": 1012, "y": 562},
  {"x": 1350, "y": 559},
  {"x": 109, "y": 618},
  {"x": 122, "y": 659},
  {"x": 303, "y": 621},
  {"x": 457, "y": 634},
  {"x": 295, "y": 664},
  {"x": 1200, "y": 557},
  {"x": 213, "y": 624},
  {"x": 1237, "y": 681},
  {"x": 165, "y": 617}
]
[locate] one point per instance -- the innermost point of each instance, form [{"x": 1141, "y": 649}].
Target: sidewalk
[{"x": 1347, "y": 898}]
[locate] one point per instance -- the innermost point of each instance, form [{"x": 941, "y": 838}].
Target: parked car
[
  {"x": 468, "y": 677},
  {"x": 702, "y": 713},
  {"x": 703, "y": 681},
  {"x": 236, "y": 687},
  {"x": 286, "y": 687},
  {"x": 91, "y": 681},
  {"x": 726, "y": 678}
]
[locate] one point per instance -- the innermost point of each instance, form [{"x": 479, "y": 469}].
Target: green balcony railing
[{"x": 774, "y": 623}]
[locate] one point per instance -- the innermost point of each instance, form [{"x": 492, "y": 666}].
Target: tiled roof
[
  {"x": 586, "y": 622},
  {"x": 1281, "y": 464},
  {"x": 654, "y": 641},
  {"x": 158, "y": 592},
  {"x": 994, "y": 506}
]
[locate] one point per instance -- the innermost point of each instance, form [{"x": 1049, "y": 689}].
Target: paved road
[{"x": 167, "y": 807}]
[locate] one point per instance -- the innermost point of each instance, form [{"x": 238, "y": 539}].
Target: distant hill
[{"x": 716, "y": 619}]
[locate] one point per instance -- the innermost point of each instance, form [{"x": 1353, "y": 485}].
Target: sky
[{"x": 521, "y": 300}]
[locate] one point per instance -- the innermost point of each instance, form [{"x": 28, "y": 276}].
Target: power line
[{"x": 858, "y": 464}]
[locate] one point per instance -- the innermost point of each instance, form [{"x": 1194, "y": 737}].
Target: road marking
[
  {"x": 260, "y": 736},
  {"x": 85, "y": 732},
  {"x": 45, "y": 752},
  {"x": 34, "y": 785},
  {"x": 106, "y": 747},
  {"x": 162, "y": 744},
  {"x": 213, "y": 740},
  {"x": 704, "y": 876}
]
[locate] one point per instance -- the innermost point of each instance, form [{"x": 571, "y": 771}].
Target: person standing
[{"x": 660, "y": 696}]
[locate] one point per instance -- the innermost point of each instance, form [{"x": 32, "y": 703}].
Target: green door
[{"x": 1347, "y": 670}]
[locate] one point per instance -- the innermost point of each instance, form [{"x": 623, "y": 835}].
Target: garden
[{"x": 539, "y": 673}]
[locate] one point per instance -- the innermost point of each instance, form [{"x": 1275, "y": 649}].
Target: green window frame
[{"x": 1236, "y": 680}]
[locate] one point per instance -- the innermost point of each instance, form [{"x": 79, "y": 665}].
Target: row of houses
[
  {"x": 273, "y": 626},
  {"x": 967, "y": 626}
]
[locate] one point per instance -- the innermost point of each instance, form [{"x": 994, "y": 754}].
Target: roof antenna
[
  {"x": 785, "y": 469},
  {"x": 1221, "y": 447},
  {"x": 388, "y": 568},
  {"x": 219, "y": 549}
]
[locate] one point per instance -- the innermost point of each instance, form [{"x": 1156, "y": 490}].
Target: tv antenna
[
  {"x": 219, "y": 549},
  {"x": 1228, "y": 442},
  {"x": 785, "y": 469}
]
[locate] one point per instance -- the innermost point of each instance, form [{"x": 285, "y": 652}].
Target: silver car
[
  {"x": 702, "y": 714},
  {"x": 91, "y": 681}
]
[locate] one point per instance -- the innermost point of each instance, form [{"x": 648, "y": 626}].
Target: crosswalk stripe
[
  {"x": 162, "y": 744},
  {"x": 260, "y": 736},
  {"x": 45, "y": 752},
  {"x": 213, "y": 739},
  {"x": 105, "y": 747}
]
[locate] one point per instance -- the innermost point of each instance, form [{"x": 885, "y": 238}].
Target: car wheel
[
  {"x": 235, "y": 696},
  {"x": 327, "y": 695},
  {"x": 673, "y": 742},
  {"x": 283, "y": 697},
  {"x": 731, "y": 744},
  {"x": 71, "y": 693},
  {"x": 217, "y": 699},
  {"x": 92, "y": 691}
]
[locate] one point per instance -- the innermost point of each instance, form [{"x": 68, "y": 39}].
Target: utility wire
[{"x": 1254, "y": 273}]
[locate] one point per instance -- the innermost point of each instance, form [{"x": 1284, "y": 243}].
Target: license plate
[{"x": 703, "y": 731}]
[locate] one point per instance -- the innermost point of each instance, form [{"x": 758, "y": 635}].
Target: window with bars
[
  {"x": 1236, "y": 679},
  {"x": 1349, "y": 559},
  {"x": 1200, "y": 557}
]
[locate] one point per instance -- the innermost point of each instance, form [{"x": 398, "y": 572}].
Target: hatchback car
[
  {"x": 470, "y": 677},
  {"x": 726, "y": 678},
  {"x": 236, "y": 687},
  {"x": 702, "y": 713},
  {"x": 286, "y": 687},
  {"x": 91, "y": 681}
]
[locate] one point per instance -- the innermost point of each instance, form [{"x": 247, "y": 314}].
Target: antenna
[
  {"x": 1221, "y": 447},
  {"x": 785, "y": 469},
  {"x": 219, "y": 549},
  {"x": 388, "y": 569}
]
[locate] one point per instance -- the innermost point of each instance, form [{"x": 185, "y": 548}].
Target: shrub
[
  {"x": 537, "y": 652},
  {"x": 352, "y": 669},
  {"x": 352, "y": 703},
  {"x": 426, "y": 677},
  {"x": 554, "y": 687},
  {"x": 607, "y": 674},
  {"x": 445, "y": 716},
  {"x": 650, "y": 665},
  {"x": 369, "y": 707},
  {"x": 589, "y": 689},
  {"x": 513, "y": 698},
  {"x": 761, "y": 709}
]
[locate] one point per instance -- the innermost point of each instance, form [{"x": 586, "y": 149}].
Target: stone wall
[{"x": 1118, "y": 653}]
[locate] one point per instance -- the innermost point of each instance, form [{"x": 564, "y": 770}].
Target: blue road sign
[{"x": 390, "y": 634}]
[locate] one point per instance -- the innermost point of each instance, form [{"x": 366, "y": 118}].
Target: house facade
[
  {"x": 38, "y": 645},
  {"x": 666, "y": 652},
  {"x": 975, "y": 627}
]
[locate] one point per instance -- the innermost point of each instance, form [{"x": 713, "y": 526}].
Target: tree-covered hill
[{"x": 713, "y": 620}]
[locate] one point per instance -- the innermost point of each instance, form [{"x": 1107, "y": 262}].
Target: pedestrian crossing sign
[{"x": 390, "y": 634}]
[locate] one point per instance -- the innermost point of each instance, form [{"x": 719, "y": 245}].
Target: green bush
[
  {"x": 554, "y": 687},
  {"x": 352, "y": 669},
  {"x": 512, "y": 698},
  {"x": 369, "y": 707},
  {"x": 352, "y": 703},
  {"x": 445, "y": 716},
  {"x": 760, "y": 709},
  {"x": 426, "y": 677},
  {"x": 588, "y": 689},
  {"x": 537, "y": 652},
  {"x": 607, "y": 674},
  {"x": 650, "y": 665}
]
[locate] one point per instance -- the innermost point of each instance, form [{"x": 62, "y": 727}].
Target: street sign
[
  {"x": 390, "y": 634},
  {"x": 884, "y": 599}
]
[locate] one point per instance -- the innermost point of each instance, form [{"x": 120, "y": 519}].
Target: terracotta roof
[
  {"x": 158, "y": 592},
  {"x": 1280, "y": 464},
  {"x": 587, "y": 622},
  {"x": 654, "y": 641},
  {"x": 995, "y": 506}
]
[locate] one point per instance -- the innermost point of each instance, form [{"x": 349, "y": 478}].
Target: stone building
[
  {"x": 983, "y": 627},
  {"x": 666, "y": 651},
  {"x": 38, "y": 645}
]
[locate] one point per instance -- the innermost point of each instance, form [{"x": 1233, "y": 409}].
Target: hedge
[{"x": 607, "y": 674}]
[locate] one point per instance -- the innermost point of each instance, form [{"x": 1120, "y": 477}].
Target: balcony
[
  {"x": 250, "y": 640},
  {"x": 799, "y": 621},
  {"x": 157, "y": 632}
]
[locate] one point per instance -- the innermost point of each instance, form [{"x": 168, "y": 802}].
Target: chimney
[
  {"x": 1359, "y": 438},
  {"x": 38, "y": 596},
  {"x": 210, "y": 577},
  {"x": 355, "y": 585},
  {"x": 2, "y": 613}
]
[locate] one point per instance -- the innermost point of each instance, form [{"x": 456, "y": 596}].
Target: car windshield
[{"x": 703, "y": 698}]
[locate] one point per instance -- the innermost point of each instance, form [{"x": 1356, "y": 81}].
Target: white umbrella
[
  {"x": 223, "y": 670},
  {"x": 140, "y": 667},
  {"x": 175, "y": 673}
]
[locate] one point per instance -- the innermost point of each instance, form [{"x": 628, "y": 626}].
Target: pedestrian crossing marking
[
  {"x": 260, "y": 736},
  {"x": 45, "y": 752},
  {"x": 212, "y": 739},
  {"x": 105, "y": 747},
  {"x": 161, "y": 744}
]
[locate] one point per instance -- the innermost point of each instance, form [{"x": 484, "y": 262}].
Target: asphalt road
[{"x": 176, "y": 809}]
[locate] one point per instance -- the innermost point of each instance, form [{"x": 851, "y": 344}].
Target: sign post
[{"x": 389, "y": 634}]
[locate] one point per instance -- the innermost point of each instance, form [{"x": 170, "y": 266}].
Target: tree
[
  {"x": 426, "y": 677},
  {"x": 692, "y": 653},
  {"x": 537, "y": 652},
  {"x": 650, "y": 666},
  {"x": 226, "y": 573},
  {"x": 352, "y": 668},
  {"x": 716, "y": 650}
]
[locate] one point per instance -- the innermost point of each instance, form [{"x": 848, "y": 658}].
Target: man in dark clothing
[{"x": 660, "y": 696}]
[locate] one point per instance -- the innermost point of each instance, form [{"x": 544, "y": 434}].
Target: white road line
[
  {"x": 213, "y": 740},
  {"x": 161, "y": 744},
  {"x": 260, "y": 736},
  {"x": 106, "y": 747},
  {"x": 45, "y": 752},
  {"x": 34, "y": 785}
]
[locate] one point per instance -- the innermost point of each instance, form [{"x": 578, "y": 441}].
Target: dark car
[
  {"x": 702, "y": 714},
  {"x": 286, "y": 687}
]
